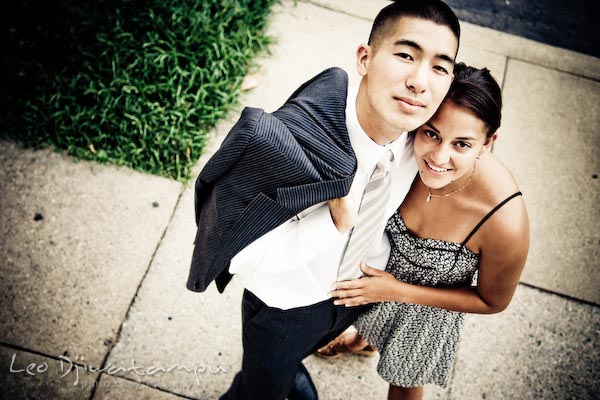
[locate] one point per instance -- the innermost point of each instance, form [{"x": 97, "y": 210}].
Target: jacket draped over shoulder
[{"x": 269, "y": 168}]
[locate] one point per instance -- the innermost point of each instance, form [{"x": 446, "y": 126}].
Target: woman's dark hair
[
  {"x": 430, "y": 10},
  {"x": 477, "y": 90}
]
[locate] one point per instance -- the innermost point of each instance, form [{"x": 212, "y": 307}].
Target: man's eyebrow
[
  {"x": 409, "y": 43},
  {"x": 445, "y": 57},
  {"x": 416, "y": 46}
]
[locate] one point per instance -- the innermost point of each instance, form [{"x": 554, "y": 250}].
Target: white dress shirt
[{"x": 296, "y": 264}]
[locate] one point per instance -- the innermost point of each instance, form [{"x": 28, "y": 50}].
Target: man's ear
[{"x": 363, "y": 57}]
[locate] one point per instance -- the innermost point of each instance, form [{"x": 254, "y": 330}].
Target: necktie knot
[{"x": 385, "y": 163}]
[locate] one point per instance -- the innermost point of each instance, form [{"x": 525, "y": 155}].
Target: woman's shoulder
[
  {"x": 502, "y": 196},
  {"x": 496, "y": 182}
]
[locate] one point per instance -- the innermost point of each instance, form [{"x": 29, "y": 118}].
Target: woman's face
[{"x": 447, "y": 145}]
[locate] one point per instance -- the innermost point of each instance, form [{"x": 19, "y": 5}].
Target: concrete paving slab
[
  {"x": 25, "y": 375},
  {"x": 483, "y": 59},
  {"x": 309, "y": 40},
  {"x": 549, "y": 139},
  {"x": 355, "y": 377},
  {"x": 542, "y": 347},
  {"x": 486, "y": 39},
  {"x": 113, "y": 388},
  {"x": 76, "y": 240},
  {"x": 533, "y": 52},
  {"x": 347, "y": 377},
  {"x": 367, "y": 10},
  {"x": 192, "y": 340}
]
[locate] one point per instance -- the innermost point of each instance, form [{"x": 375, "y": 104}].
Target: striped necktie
[{"x": 372, "y": 209}]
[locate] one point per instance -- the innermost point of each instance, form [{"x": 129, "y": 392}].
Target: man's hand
[{"x": 344, "y": 212}]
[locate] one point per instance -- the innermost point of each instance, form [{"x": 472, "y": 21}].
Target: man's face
[{"x": 405, "y": 77}]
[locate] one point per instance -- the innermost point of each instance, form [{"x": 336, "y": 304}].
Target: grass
[{"x": 135, "y": 83}]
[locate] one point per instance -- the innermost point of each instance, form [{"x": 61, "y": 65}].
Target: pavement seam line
[
  {"x": 561, "y": 295},
  {"x": 40, "y": 353},
  {"x": 332, "y": 9},
  {"x": 133, "y": 299},
  {"x": 89, "y": 367},
  {"x": 557, "y": 69}
]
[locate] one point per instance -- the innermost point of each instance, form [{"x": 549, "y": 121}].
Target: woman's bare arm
[{"x": 503, "y": 256}]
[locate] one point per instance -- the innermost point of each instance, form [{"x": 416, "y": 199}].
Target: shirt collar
[{"x": 368, "y": 153}]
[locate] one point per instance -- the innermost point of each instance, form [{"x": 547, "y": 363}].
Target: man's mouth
[
  {"x": 410, "y": 105},
  {"x": 412, "y": 102}
]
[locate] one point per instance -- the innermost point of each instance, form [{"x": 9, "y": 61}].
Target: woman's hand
[
  {"x": 375, "y": 286},
  {"x": 344, "y": 212}
]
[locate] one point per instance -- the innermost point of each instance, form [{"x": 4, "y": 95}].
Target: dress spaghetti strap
[{"x": 512, "y": 196}]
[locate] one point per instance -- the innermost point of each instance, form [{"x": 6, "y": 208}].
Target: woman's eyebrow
[{"x": 429, "y": 124}]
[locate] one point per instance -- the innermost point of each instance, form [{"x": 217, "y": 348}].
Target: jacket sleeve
[{"x": 227, "y": 156}]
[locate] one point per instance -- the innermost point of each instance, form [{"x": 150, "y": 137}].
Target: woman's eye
[
  {"x": 463, "y": 145},
  {"x": 430, "y": 134}
]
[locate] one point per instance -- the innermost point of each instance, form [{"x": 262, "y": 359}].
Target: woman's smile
[{"x": 436, "y": 169}]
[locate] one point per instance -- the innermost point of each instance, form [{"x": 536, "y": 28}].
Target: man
[{"x": 261, "y": 201}]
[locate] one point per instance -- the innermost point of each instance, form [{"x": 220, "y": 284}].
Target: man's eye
[
  {"x": 441, "y": 69},
  {"x": 404, "y": 56}
]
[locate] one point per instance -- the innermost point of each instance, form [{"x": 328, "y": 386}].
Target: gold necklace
[{"x": 430, "y": 195}]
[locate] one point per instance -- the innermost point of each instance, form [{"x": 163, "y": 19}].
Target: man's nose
[{"x": 417, "y": 80}]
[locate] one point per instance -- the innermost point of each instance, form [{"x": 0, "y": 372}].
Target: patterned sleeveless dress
[{"x": 417, "y": 343}]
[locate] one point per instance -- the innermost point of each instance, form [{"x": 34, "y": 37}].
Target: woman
[{"x": 463, "y": 222}]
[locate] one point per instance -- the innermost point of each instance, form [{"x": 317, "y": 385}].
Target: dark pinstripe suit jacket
[{"x": 268, "y": 169}]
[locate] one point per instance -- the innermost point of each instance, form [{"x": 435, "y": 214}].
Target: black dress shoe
[{"x": 304, "y": 388}]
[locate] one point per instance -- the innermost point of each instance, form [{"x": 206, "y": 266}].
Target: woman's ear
[
  {"x": 363, "y": 56},
  {"x": 489, "y": 142},
  {"x": 491, "y": 139}
]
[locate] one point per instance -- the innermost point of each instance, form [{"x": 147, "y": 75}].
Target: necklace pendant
[{"x": 428, "y": 198}]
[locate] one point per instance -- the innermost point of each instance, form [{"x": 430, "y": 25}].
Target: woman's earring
[{"x": 478, "y": 156}]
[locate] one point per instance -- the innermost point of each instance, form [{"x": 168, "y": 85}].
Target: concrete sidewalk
[{"x": 95, "y": 257}]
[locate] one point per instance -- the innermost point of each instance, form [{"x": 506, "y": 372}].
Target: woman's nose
[{"x": 440, "y": 155}]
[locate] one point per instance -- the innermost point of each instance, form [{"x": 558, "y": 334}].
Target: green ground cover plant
[{"x": 130, "y": 82}]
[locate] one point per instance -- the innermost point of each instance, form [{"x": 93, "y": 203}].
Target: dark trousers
[{"x": 276, "y": 341}]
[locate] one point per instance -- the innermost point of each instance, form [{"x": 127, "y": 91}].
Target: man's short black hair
[{"x": 431, "y": 10}]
